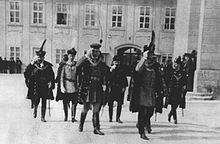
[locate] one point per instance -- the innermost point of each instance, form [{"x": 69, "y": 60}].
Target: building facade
[{"x": 125, "y": 26}]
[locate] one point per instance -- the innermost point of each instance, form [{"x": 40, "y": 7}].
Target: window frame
[
  {"x": 38, "y": 11},
  {"x": 68, "y": 12},
  {"x": 149, "y": 16},
  {"x": 117, "y": 15},
  {"x": 169, "y": 18},
  {"x": 15, "y": 11},
  {"x": 61, "y": 54},
  {"x": 15, "y": 52},
  {"x": 90, "y": 15}
]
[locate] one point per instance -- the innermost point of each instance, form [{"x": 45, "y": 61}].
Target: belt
[{"x": 70, "y": 80}]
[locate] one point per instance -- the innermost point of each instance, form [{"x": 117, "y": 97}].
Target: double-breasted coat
[{"x": 40, "y": 81}]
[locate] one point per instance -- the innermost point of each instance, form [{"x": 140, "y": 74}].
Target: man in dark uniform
[
  {"x": 118, "y": 84},
  {"x": 18, "y": 65},
  {"x": 39, "y": 78},
  {"x": 92, "y": 82}
]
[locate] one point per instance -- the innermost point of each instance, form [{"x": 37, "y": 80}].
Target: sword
[
  {"x": 49, "y": 107},
  {"x": 182, "y": 113}
]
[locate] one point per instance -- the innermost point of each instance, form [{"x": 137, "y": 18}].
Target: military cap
[
  {"x": 72, "y": 51},
  {"x": 95, "y": 46}
]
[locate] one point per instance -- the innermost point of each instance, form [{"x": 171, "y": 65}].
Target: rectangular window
[
  {"x": 37, "y": 13},
  {"x": 144, "y": 17},
  {"x": 170, "y": 16},
  {"x": 63, "y": 14},
  {"x": 59, "y": 55},
  {"x": 14, "y": 12},
  {"x": 90, "y": 15},
  {"x": 117, "y": 16},
  {"x": 15, "y": 53}
]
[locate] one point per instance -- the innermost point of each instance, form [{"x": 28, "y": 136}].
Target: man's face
[
  {"x": 40, "y": 59},
  {"x": 71, "y": 57},
  {"x": 95, "y": 53}
]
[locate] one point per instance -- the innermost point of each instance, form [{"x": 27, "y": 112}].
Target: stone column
[{"x": 181, "y": 27}]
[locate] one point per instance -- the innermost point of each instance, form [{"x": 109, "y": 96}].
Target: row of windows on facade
[
  {"x": 63, "y": 16},
  {"x": 15, "y": 52}
]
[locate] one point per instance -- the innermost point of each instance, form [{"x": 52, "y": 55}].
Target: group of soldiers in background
[
  {"x": 93, "y": 84},
  {"x": 10, "y": 66}
]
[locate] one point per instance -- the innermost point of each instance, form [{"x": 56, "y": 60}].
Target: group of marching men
[{"x": 90, "y": 82}]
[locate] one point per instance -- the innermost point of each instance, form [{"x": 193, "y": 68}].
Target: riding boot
[
  {"x": 65, "y": 108},
  {"x": 110, "y": 109},
  {"x": 82, "y": 120},
  {"x": 35, "y": 111},
  {"x": 119, "y": 107},
  {"x": 95, "y": 120},
  {"x": 175, "y": 117},
  {"x": 73, "y": 113},
  {"x": 148, "y": 125},
  {"x": 169, "y": 116},
  {"x": 43, "y": 112}
]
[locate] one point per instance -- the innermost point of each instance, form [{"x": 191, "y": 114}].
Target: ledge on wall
[{"x": 199, "y": 96}]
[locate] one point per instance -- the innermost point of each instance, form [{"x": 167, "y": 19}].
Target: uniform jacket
[
  {"x": 37, "y": 80},
  {"x": 91, "y": 79},
  {"x": 68, "y": 77},
  {"x": 176, "y": 84}
]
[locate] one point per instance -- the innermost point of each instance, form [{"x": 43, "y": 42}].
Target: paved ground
[{"x": 200, "y": 124}]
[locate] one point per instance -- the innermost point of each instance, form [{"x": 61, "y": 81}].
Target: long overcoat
[{"x": 38, "y": 80}]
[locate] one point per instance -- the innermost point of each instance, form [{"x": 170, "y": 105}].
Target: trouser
[
  {"x": 173, "y": 111},
  {"x": 73, "y": 108},
  {"x": 43, "y": 106},
  {"x": 144, "y": 116},
  {"x": 95, "y": 115},
  {"x": 119, "y": 109}
]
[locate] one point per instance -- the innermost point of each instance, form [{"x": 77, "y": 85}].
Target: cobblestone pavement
[{"x": 200, "y": 124}]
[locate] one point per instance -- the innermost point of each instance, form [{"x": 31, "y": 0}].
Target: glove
[{"x": 63, "y": 90}]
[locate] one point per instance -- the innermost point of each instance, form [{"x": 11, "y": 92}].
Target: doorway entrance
[{"x": 128, "y": 55}]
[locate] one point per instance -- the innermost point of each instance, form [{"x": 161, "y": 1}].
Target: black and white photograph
[{"x": 109, "y": 72}]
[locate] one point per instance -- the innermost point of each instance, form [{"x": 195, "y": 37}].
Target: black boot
[
  {"x": 73, "y": 113},
  {"x": 110, "y": 110},
  {"x": 65, "y": 113},
  {"x": 143, "y": 136},
  {"x": 119, "y": 107},
  {"x": 169, "y": 117},
  {"x": 82, "y": 120},
  {"x": 35, "y": 111},
  {"x": 96, "y": 125},
  {"x": 175, "y": 117},
  {"x": 148, "y": 126},
  {"x": 43, "y": 112}
]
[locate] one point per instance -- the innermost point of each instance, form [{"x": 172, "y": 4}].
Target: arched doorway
[{"x": 129, "y": 54}]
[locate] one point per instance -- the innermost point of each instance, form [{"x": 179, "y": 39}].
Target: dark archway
[{"x": 129, "y": 54}]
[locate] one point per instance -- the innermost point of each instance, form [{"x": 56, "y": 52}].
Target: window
[
  {"x": 117, "y": 16},
  {"x": 90, "y": 15},
  {"x": 14, "y": 12},
  {"x": 15, "y": 53},
  {"x": 144, "y": 17},
  {"x": 37, "y": 13},
  {"x": 63, "y": 15},
  {"x": 170, "y": 15},
  {"x": 59, "y": 55}
]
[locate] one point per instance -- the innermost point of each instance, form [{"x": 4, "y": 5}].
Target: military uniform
[
  {"x": 92, "y": 77},
  {"x": 176, "y": 97},
  {"x": 68, "y": 80},
  {"x": 39, "y": 78},
  {"x": 118, "y": 83}
]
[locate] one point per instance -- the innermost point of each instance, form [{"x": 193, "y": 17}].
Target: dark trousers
[
  {"x": 110, "y": 108},
  {"x": 144, "y": 116},
  {"x": 43, "y": 106},
  {"x": 173, "y": 111},
  {"x": 73, "y": 108}
]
